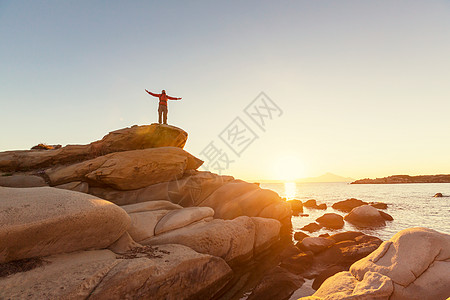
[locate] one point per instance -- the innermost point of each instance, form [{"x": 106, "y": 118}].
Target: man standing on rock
[{"x": 162, "y": 109}]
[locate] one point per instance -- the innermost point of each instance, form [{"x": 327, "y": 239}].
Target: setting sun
[{"x": 288, "y": 168}]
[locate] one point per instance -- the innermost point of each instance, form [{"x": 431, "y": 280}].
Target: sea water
[{"x": 411, "y": 205}]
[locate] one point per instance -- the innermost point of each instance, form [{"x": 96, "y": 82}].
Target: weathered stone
[
  {"x": 143, "y": 223},
  {"x": 165, "y": 272},
  {"x": 331, "y": 220},
  {"x": 22, "y": 181},
  {"x": 416, "y": 259},
  {"x": 150, "y": 206},
  {"x": 296, "y": 206},
  {"x": 278, "y": 283},
  {"x": 343, "y": 236},
  {"x": 128, "y": 170},
  {"x": 44, "y": 221},
  {"x": 299, "y": 236},
  {"x": 326, "y": 274},
  {"x": 187, "y": 191},
  {"x": 379, "y": 205},
  {"x": 344, "y": 286},
  {"x": 348, "y": 205},
  {"x": 77, "y": 186},
  {"x": 365, "y": 216},
  {"x": 267, "y": 232},
  {"x": 182, "y": 217},
  {"x": 134, "y": 138},
  {"x": 232, "y": 240},
  {"x": 311, "y": 227},
  {"x": 315, "y": 244},
  {"x": 386, "y": 216}
]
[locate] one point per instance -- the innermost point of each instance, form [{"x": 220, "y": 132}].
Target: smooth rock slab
[
  {"x": 128, "y": 170},
  {"x": 44, "y": 221},
  {"x": 169, "y": 272},
  {"x": 232, "y": 240},
  {"x": 344, "y": 286},
  {"x": 150, "y": 206},
  {"x": 22, "y": 181},
  {"x": 143, "y": 223},
  {"x": 182, "y": 217},
  {"x": 416, "y": 259}
]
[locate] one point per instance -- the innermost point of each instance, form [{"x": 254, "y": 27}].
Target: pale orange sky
[{"x": 363, "y": 86}]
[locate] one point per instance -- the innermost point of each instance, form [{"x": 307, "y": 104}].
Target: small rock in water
[
  {"x": 311, "y": 227},
  {"x": 379, "y": 205},
  {"x": 437, "y": 195},
  {"x": 348, "y": 205},
  {"x": 298, "y": 236},
  {"x": 331, "y": 220}
]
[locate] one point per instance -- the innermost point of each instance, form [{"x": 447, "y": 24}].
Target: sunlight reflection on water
[{"x": 411, "y": 205}]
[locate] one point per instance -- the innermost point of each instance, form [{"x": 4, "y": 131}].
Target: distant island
[{"x": 442, "y": 178}]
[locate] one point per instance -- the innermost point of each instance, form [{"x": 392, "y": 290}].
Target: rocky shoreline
[
  {"x": 442, "y": 178},
  {"x": 130, "y": 216}
]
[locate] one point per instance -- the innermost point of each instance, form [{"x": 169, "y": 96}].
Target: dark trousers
[{"x": 162, "y": 110}]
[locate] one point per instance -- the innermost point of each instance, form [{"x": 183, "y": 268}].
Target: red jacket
[{"x": 163, "y": 98}]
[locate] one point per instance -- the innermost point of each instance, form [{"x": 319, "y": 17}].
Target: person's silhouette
[{"x": 162, "y": 109}]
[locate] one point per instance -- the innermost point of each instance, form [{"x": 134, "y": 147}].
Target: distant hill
[
  {"x": 327, "y": 177},
  {"x": 442, "y": 178}
]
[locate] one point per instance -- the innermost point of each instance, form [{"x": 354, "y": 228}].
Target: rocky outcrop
[
  {"x": 190, "y": 190},
  {"x": 417, "y": 260},
  {"x": 413, "y": 264},
  {"x": 168, "y": 271},
  {"x": 44, "y": 221},
  {"x": 365, "y": 216},
  {"x": 128, "y": 170},
  {"x": 133, "y": 138}
]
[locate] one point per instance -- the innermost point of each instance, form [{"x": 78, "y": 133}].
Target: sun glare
[
  {"x": 290, "y": 190},
  {"x": 288, "y": 168}
]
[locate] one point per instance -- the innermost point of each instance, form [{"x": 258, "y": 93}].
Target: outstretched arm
[
  {"x": 173, "y": 98},
  {"x": 153, "y": 94}
]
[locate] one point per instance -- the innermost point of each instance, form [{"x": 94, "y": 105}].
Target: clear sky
[{"x": 363, "y": 85}]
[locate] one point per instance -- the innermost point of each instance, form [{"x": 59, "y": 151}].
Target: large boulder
[
  {"x": 365, "y": 216},
  {"x": 232, "y": 240},
  {"x": 136, "y": 137},
  {"x": 344, "y": 286},
  {"x": 267, "y": 232},
  {"x": 165, "y": 272},
  {"x": 22, "y": 181},
  {"x": 43, "y": 221},
  {"x": 348, "y": 205},
  {"x": 128, "y": 170},
  {"x": 237, "y": 198},
  {"x": 331, "y": 220},
  {"x": 417, "y": 260}
]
